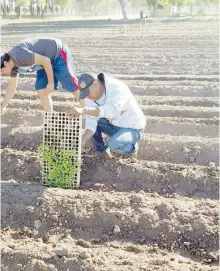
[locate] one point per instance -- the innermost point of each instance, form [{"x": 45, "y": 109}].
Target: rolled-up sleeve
[
  {"x": 90, "y": 121},
  {"x": 101, "y": 111}
]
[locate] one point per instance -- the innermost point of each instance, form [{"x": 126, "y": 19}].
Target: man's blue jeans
[{"x": 121, "y": 140}]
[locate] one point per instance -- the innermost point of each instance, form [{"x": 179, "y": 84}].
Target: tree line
[{"x": 86, "y": 7}]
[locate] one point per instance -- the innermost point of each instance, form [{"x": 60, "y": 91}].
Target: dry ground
[{"x": 157, "y": 213}]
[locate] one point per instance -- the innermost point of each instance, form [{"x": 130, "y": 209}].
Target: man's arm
[
  {"x": 111, "y": 109},
  {"x": 46, "y": 63},
  {"x": 10, "y": 91},
  {"x": 91, "y": 111}
]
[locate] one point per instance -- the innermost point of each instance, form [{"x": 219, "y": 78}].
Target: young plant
[{"x": 59, "y": 167}]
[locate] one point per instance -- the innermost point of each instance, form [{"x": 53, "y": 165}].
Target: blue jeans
[
  {"x": 63, "y": 70},
  {"x": 121, "y": 140}
]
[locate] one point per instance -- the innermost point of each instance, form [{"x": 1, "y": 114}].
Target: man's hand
[
  {"x": 75, "y": 112},
  {"x": 3, "y": 109},
  {"x": 9, "y": 94}
]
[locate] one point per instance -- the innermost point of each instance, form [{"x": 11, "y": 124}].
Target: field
[{"x": 157, "y": 213}]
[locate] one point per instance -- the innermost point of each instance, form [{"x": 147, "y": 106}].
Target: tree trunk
[
  {"x": 31, "y": 8},
  {"x": 3, "y": 11},
  {"x": 11, "y": 2},
  {"x": 122, "y": 4},
  {"x": 38, "y": 10},
  {"x": 19, "y": 12},
  {"x": 31, "y": 11},
  {"x": 43, "y": 11},
  {"x": 171, "y": 11},
  {"x": 154, "y": 10},
  {"x": 191, "y": 9}
]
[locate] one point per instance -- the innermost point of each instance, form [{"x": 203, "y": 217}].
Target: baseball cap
[{"x": 84, "y": 82}]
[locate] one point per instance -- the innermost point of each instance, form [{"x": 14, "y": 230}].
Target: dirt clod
[
  {"x": 61, "y": 252},
  {"x": 39, "y": 265},
  {"x": 7, "y": 250},
  {"x": 212, "y": 256},
  {"x": 133, "y": 249},
  {"x": 84, "y": 255},
  {"x": 164, "y": 210},
  {"x": 116, "y": 230},
  {"x": 142, "y": 240},
  {"x": 96, "y": 240},
  {"x": 212, "y": 164},
  {"x": 46, "y": 237},
  {"x": 187, "y": 244},
  {"x": 37, "y": 224},
  {"x": 83, "y": 243},
  {"x": 137, "y": 199},
  {"x": 30, "y": 209},
  {"x": 191, "y": 159},
  {"x": 186, "y": 150},
  {"x": 54, "y": 217}
]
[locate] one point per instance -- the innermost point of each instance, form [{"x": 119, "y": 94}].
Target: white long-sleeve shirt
[{"x": 118, "y": 105}]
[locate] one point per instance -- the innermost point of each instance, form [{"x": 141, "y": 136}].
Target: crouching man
[{"x": 110, "y": 109}]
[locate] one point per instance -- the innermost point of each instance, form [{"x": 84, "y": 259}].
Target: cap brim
[{"x": 84, "y": 93}]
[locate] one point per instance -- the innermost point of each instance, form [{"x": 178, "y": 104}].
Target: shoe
[
  {"x": 132, "y": 155},
  {"x": 106, "y": 154},
  {"x": 125, "y": 156}
]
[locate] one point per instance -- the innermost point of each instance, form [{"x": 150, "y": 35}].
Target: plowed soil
[{"x": 159, "y": 212}]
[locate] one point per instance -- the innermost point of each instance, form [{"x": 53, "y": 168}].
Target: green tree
[
  {"x": 178, "y": 3},
  {"x": 105, "y": 5},
  {"x": 190, "y": 3},
  {"x": 19, "y": 4},
  {"x": 92, "y": 7},
  {"x": 41, "y": 7},
  {"x": 210, "y": 2},
  {"x": 64, "y": 3},
  {"x": 181, "y": 3},
  {"x": 153, "y": 4}
]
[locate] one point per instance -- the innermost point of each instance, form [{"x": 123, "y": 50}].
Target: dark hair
[{"x": 5, "y": 57}]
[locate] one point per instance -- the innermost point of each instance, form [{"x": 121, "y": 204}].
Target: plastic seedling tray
[{"x": 60, "y": 153}]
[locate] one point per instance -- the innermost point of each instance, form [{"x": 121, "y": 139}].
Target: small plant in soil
[{"x": 59, "y": 167}]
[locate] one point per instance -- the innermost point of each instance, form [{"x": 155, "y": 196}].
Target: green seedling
[{"x": 59, "y": 167}]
